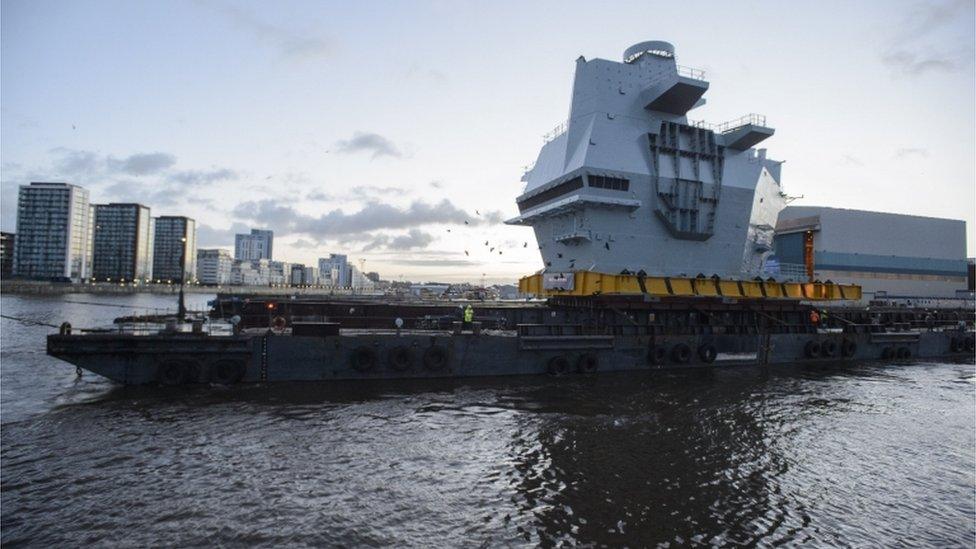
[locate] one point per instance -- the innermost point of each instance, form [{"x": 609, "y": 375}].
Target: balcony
[
  {"x": 740, "y": 134},
  {"x": 677, "y": 93}
]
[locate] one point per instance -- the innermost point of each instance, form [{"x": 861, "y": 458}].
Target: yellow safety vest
[{"x": 468, "y": 314}]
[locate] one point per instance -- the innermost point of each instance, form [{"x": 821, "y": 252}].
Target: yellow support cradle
[{"x": 586, "y": 283}]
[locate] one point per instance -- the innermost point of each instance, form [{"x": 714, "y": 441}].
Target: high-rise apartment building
[
  {"x": 122, "y": 243},
  {"x": 257, "y": 245},
  {"x": 53, "y": 232},
  {"x": 335, "y": 269},
  {"x": 175, "y": 249}
]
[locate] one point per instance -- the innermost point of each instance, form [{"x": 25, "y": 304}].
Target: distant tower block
[{"x": 629, "y": 183}]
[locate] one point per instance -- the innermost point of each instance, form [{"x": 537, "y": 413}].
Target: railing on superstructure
[
  {"x": 556, "y": 132},
  {"x": 731, "y": 125},
  {"x": 690, "y": 72}
]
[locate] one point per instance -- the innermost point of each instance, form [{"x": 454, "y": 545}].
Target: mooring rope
[{"x": 28, "y": 321}]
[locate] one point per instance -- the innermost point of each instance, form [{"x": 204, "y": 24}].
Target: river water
[{"x": 860, "y": 455}]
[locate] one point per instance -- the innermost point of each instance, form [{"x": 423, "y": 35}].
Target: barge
[{"x": 655, "y": 233}]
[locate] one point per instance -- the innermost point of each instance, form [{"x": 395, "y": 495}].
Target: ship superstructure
[{"x": 630, "y": 184}]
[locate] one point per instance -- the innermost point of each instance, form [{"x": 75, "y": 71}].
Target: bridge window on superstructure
[
  {"x": 547, "y": 195},
  {"x": 605, "y": 182}
]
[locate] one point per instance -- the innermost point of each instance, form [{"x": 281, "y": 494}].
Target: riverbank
[{"x": 31, "y": 287}]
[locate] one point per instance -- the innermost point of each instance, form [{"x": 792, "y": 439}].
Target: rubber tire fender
[
  {"x": 848, "y": 348},
  {"x": 657, "y": 354},
  {"x": 227, "y": 372},
  {"x": 400, "y": 358},
  {"x": 829, "y": 348},
  {"x": 888, "y": 353},
  {"x": 956, "y": 345},
  {"x": 681, "y": 353},
  {"x": 588, "y": 363},
  {"x": 172, "y": 374},
  {"x": 812, "y": 349},
  {"x": 558, "y": 366},
  {"x": 363, "y": 359},
  {"x": 435, "y": 358},
  {"x": 707, "y": 353}
]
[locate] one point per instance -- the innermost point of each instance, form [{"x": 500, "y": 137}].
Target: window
[
  {"x": 605, "y": 182},
  {"x": 547, "y": 195}
]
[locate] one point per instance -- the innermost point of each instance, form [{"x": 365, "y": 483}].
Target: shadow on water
[
  {"x": 680, "y": 456},
  {"x": 697, "y": 457}
]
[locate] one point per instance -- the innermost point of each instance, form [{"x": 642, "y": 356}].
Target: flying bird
[
  {"x": 486, "y": 242},
  {"x": 476, "y": 212},
  {"x": 73, "y": 127},
  {"x": 526, "y": 245},
  {"x": 465, "y": 221},
  {"x": 491, "y": 249},
  {"x": 499, "y": 252},
  {"x": 449, "y": 230},
  {"x": 466, "y": 252}
]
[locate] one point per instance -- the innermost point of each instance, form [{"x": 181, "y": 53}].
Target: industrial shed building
[{"x": 899, "y": 255}]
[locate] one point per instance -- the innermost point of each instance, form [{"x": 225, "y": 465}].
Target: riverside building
[
  {"x": 214, "y": 266},
  {"x": 257, "y": 245},
  {"x": 122, "y": 243},
  {"x": 7, "y": 244},
  {"x": 175, "y": 249},
  {"x": 53, "y": 232}
]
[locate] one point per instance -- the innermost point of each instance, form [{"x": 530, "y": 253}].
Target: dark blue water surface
[{"x": 859, "y": 455}]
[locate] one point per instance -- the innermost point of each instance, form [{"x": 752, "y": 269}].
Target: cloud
[
  {"x": 414, "y": 239},
  {"x": 373, "y": 216},
  {"x": 913, "y": 64},
  {"x": 934, "y": 37},
  {"x": 319, "y": 195},
  {"x": 291, "y": 43},
  {"x": 374, "y": 189},
  {"x": 208, "y": 236},
  {"x": 368, "y": 142},
  {"x": 416, "y": 71},
  {"x": 437, "y": 262},
  {"x": 73, "y": 162},
  {"x": 128, "y": 190},
  {"x": 141, "y": 164},
  {"x": 197, "y": 177},
  {"x": 928, "y": 17},
  {"x": 910, "y": 152}
]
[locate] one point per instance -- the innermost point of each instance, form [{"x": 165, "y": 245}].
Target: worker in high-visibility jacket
[{"x": 468, "y": 316}]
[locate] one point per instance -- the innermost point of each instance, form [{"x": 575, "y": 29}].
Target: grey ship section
[{"x": 630, "y": 184}]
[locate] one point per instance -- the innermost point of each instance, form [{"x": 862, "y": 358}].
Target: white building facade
[{"x": 214, "y": 266}]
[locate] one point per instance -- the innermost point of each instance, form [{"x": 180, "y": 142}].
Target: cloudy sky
[{"x": 378, "y": 129}]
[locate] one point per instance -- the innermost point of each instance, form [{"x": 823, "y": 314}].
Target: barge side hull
[{"x": 172, "y": 360}]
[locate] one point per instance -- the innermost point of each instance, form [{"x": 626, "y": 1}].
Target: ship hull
[{"x": 177, "y": 359}]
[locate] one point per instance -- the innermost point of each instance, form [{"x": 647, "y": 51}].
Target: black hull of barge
[{"x": 185, "y": 359}]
